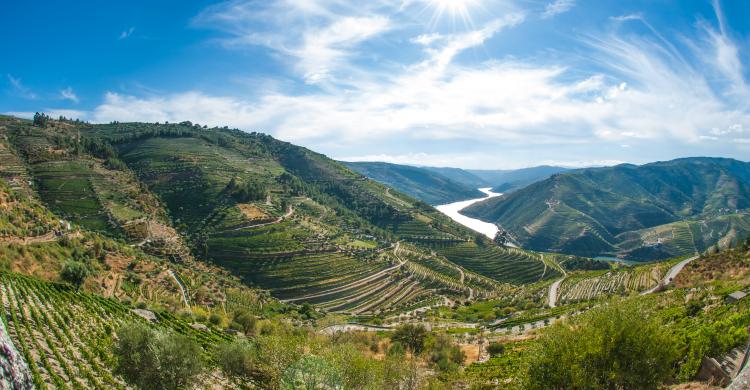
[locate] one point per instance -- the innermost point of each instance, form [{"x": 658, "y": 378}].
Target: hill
[
  {"x": 509, "y": 181},
  {"x": 646, "y": 212},
  {"x": 423, "y": 184},
  {"x": 446, "y": 185},
  {"x": 274, "y": 215}
]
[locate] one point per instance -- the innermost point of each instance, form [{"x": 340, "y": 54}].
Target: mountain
[
  {"x": 445, "y": 185},
  {"x": 508, "y": 181},
  {"x": 461, "y": 176},
  {"x": 270, "y": 214},
  {"x": 235, "y": 258},
  {"x": 643, "y": 212},
  {"x": 423, "y": 184}
]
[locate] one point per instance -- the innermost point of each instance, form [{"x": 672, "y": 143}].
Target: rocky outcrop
[{"x": 14, "y": 373}]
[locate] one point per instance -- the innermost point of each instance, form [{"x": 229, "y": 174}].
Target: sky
[{"x": 493, "y": 84}]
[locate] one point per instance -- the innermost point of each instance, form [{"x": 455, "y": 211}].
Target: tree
[
  {"x": 246, "y": 321},
  {"x": 41, "y": 120},
  {"x": 75, "y": 273},
  {"x": 411, "y": 336},
  {"x": 157, "y": 360},
  {"x": 614, "y": 347}
]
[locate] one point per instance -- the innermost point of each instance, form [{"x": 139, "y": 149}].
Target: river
[{"x": 452, "y": 210}]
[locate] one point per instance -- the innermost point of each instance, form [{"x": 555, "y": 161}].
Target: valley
[{"x": 216, "y": 233}]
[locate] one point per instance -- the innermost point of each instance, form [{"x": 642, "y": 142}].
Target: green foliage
[
  {"x": 612, "y": 347},
  {"x": 627, "y": 209},
  {"x": 495, "y": 349},
  {"x": 41, "y": 120},
  {"x": 153, "y": 359},
  {"x": 75, "y": 273},
  {"x": 412, "y": 336},
  {"x": 420, "y": 183},
  {"x": 444, "y": 354}
]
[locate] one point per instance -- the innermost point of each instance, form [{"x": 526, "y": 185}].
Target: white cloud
[
  {"x": 69, "y": 94},
  {"x": 324, "y": 50},
  {"x": 635, "y": 91},
  {"x": 19, "y": 89},
  {"x": 509, "y": 101},
  {"x": 427, "y": 39},
  {"x": 319, "y": 37},
  {"x": 557, "y": 7},
  {"x": 126, "y": 33}
]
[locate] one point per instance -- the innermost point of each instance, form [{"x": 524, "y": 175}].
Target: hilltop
[{"x": 646, "y": 212}]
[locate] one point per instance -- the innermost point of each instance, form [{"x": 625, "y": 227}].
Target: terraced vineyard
[
  {"x": 66, "y": 186},
  {"x": 598, "y": 284},
  {"x": 501, "y": 264},
  {"x": 66, "y": 336}
]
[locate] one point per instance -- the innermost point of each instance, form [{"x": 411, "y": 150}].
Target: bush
[
  {"x": 236, "y": 359},
  {"x": 157, "y": 360},
  {"x": 495, "y": 349},
  {"x": 75, "y": 273},
  {"x": 608, "y": 348},
  {"x": 444, "y": 354}
]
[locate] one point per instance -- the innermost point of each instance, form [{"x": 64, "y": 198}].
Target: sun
[{"x": 455, "y": 10}]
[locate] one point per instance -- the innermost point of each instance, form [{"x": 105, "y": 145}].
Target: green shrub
[{"x": 608, "y": 348}]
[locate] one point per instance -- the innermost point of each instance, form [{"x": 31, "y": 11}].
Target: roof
[{"x": 738, "y": 295}]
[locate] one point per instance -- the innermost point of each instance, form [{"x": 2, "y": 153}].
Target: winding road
[
  {"x": 182, "y": 288},
  {"x": 553, "y": 291},
  {"x": 556, "y": 285},
  {"x": 669, "y": 277}
]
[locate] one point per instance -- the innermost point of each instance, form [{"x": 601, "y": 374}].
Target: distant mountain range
[
  {"x": 445, "y": 185},
  {"x": 642, "y": 212}
]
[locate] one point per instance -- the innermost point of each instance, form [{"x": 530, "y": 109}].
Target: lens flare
[{"x": 456, "y": 10}]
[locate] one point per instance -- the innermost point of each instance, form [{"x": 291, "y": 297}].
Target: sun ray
[{"x": 456, "y": 11}]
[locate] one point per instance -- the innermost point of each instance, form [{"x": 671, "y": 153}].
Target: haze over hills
[
  {"x": 423, "y": 184},
  {"x": 446, "y": 185},
  {"x": 646, "y": 212}
]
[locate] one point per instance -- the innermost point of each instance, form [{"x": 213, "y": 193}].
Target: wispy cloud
[
  {"x": 69, "y": 94},
  {"x": 319, "y": 37},
  {"x": 557, "y": 7},
  {"x": 126, "y": 33},
  {"x": 633, "y": 89},
  {"x": 20, "y": 90}
]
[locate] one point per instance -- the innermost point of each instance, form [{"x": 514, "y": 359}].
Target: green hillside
[
  {"x": 420, "y": 183},
  {"x": 276, "y": 216},
  {"x": 644, "y": 212}
]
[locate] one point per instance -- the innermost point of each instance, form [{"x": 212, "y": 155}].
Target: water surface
[{"x": 452, "y": 210}]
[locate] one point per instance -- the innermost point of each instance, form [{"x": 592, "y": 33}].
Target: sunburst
[{"x": 455, "y": 10}]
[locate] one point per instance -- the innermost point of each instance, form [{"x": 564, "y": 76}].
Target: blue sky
[{"x": 467, "y": 83}]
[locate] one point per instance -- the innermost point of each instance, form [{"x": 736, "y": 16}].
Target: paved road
[
  {"x": 553, "y": 292},
  {"x": 671, "y": 274},
  {"x": 555, "y": 286},
  {"x": 183, "y": 290}
]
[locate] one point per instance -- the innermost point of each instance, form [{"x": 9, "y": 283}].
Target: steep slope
[
  {"x": 461, "y": 176},
  {"x": 644, "y": 212},
  {"x": 275, "y": 215},
  {"x": 420, "y": 183},
  {"x": 508, "y": 181}
]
